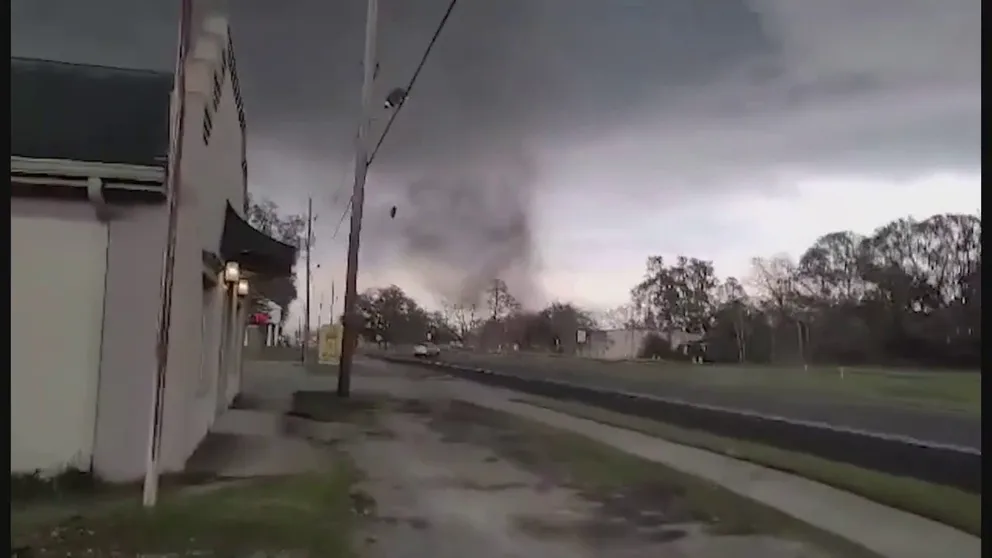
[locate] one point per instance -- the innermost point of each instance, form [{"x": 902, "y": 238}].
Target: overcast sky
[{"x": 558, "y": 143}]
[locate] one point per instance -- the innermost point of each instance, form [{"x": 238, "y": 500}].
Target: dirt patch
[
  {"x": 631, "y": 498},
  {"x": 628, "y": 499},
  {"x": 324, "y": 406},
  {"x": 415, "y": 407},
  {"x": 470, "y": 484}
]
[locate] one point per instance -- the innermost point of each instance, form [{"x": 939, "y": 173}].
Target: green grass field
[{"x": 959, "y": 392}]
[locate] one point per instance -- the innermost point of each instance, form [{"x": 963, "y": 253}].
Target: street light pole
[
  {"x": 306, "y": 311},
  {"x": 351, "y": 322},
  {"x": 333, "y": 300}
]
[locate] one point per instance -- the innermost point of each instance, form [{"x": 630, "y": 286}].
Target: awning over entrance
[{"x": 254, "y": 250}]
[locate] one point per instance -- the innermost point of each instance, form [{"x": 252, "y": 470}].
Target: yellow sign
[{"x": 329, "y": 344}]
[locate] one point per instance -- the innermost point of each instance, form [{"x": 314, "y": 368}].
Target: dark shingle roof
[{"x": 88, "y": 113}]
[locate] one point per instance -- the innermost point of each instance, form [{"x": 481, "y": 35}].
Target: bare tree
[
  {"x": 464, "y": 318},
  {"x": 734, "y": 309},
  {"x": 501, "y": 303},
  {"x": 265, "y": 216}
]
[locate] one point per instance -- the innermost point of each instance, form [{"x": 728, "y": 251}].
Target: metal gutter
[{"x": 61, "y": 172}]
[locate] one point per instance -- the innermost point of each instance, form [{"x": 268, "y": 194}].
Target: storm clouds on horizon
[{"x": 639, "y": 105}]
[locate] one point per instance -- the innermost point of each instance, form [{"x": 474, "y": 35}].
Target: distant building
[{"x": 622, "y": 344}]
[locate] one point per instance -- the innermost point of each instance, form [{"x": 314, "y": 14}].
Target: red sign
[{"x": 259, "y": 318}]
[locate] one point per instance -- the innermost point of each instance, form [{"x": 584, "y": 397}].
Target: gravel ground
[{"x": 448, "y": 482}]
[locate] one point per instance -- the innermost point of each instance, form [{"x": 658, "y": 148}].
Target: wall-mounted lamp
[
  {"x": 243, "y": 287},
  {"x": 232, "y": 272}
]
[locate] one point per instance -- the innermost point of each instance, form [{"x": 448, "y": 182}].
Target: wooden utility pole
[
  {"x": 352, "y": 321},
  {"x": 306, "y": 311}
]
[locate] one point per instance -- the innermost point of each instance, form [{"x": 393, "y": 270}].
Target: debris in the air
[{"x": 395, "y": 98}]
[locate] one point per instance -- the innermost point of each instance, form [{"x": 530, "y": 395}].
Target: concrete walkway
[
  {"x": 262, "y": 440},
  {"x": 883, "y": 530}
]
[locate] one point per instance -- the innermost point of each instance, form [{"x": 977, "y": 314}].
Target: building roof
[{"x": 88, "y": 113}]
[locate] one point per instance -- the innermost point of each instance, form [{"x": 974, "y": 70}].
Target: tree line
[
  {"x": 497, "y": 321},
  {"x": 907, "y": 295}
]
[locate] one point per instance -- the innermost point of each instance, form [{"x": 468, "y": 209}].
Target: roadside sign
[{"x": 329, "y": 344}]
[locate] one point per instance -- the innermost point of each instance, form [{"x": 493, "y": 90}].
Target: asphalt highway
[{"x": 923, "y": 425}]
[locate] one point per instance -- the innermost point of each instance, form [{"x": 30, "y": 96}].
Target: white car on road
[{"x": 426, "y": 350}]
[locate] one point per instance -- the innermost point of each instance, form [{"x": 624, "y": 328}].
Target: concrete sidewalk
[
  {"x": 259, "y": 439},
  {"x": 885, "y": 531}
]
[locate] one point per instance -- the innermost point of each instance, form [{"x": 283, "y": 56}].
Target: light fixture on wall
[
  {"x": 232, "y": 272},
  {"x": 243, "y": 287}
]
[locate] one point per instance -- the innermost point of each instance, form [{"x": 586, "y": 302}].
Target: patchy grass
[
  {"x": 632, "y": 493},
  {"x": 307, "y": 515},
  {"x": 947, "y": 505},
  {"x": 71, "y": 481}
]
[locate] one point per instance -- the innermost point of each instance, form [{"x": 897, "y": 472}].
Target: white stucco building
[
  {"x": 626, "y": 343},
  {"x": 89, "y": 217}
]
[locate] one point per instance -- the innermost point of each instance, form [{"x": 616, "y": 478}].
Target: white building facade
[{"x": 88, "y": 236}]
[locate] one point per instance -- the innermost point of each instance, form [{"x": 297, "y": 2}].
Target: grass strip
[
  {"x": 947, "y": 505},
  {"x": 628, "y": 486},
  {"x": 302, "y": 515}
]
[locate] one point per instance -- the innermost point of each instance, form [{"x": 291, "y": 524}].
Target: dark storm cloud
[
  {"x": 690, "y": 95},
  {"x": 121, "y": 33},
  {"x": 550, "y": 70},
  {"x": 540, "y": 69},
  {"x": 461, "y": 228},
  {"x": 503, "y": 75}
]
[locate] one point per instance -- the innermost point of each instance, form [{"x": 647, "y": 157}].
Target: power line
[
  {"x": 337, "y": 228},
  {"x": 347, "y": 206},
  {"x": 392, "y": 117},
  {"x": 413, "y": 79}
]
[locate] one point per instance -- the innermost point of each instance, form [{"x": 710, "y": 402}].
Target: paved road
[{"x": 929, "y": 426}]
